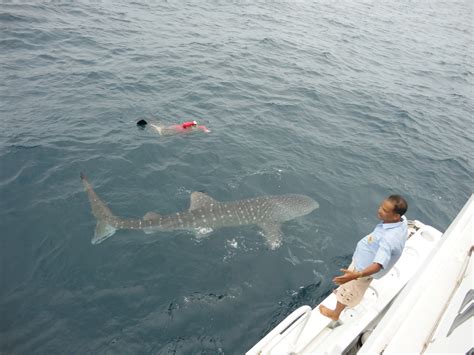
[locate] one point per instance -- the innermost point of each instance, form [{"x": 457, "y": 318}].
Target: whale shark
[{"x": 206, "y": 213}]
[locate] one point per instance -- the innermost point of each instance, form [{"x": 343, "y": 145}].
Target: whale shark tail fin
[
  {"x": 103, "y": 230},
  {"x": 105, "y": 218}
]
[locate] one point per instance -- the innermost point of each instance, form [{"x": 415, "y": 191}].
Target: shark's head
[{"x": 287, "y": 207}]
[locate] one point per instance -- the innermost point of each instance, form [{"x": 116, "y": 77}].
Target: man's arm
[{"x": 352, "y": 275}]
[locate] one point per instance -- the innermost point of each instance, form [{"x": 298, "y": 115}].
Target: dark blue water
[{"x": 343, "y": 101}]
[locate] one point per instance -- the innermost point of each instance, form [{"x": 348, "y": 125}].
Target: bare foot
[{"x": 328, "y": 312}]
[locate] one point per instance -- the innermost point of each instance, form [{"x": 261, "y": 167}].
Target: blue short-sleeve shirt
[{"x": 383, "y": 246}]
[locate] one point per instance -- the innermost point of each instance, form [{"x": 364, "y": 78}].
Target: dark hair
[{"x": 400, "y": 206}]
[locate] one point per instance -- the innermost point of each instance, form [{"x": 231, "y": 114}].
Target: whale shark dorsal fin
[
  {"x": 151, "y": 216},
  {"x": 200, "y": 199}
]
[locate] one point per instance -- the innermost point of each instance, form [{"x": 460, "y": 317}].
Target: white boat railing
[{"x": 295, "y": 322}]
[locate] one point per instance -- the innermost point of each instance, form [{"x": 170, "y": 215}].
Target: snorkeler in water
[{"x": 183, "y": 128}]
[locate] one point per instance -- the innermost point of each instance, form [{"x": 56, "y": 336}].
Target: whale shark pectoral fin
[
  {"x": 200, "y": 199},
  {"x": 272, "y": 234}
]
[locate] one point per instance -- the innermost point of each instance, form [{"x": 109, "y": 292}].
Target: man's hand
[
  {"x": 352, "y": 275},
  {"x": 348, "y": 276}
]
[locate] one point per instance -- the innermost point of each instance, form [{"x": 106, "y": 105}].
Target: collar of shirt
[{"x": 393, "y": 225}]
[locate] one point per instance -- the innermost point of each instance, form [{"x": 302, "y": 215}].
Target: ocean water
[{"x": 343, "y": 101}]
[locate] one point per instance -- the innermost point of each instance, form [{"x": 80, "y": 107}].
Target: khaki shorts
[{"x": 351, "y": 293}]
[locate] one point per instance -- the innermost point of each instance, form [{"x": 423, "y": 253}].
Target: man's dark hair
[{"x": 400, "y": 206}]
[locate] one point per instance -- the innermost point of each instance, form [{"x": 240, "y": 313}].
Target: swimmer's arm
[
  {"x": 156, "y": 128},
  {"x": 204, "y": 129}
]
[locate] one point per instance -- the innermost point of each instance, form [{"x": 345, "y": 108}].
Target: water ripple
[{"x": 343, "y": 102}]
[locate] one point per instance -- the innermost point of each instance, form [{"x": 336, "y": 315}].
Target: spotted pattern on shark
[{"x": 206, "y": 213}]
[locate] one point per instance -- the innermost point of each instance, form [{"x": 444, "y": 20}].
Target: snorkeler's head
[{"x": 142, "y": 123}]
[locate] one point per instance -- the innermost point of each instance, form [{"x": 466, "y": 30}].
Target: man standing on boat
[{"x": 374, "y": 256}]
